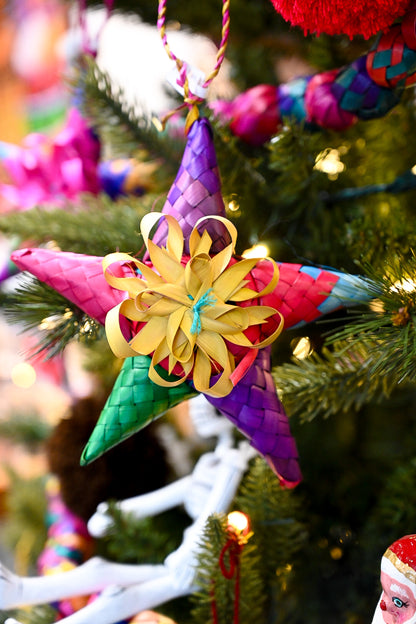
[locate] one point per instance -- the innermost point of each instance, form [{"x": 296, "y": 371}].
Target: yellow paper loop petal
[
  {"x": 174, "y": 242},
  {"x": 116, "y": 340},
  {"x": 230, "y": 227}
]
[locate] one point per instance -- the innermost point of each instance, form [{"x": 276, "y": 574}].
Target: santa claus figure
[{"x": 397, "y": 603}]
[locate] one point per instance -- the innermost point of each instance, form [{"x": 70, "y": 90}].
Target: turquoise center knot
[{"x": 206, "y": 300}]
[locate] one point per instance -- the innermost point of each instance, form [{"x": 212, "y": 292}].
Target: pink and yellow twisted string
[{"x": 191, "y": 100}]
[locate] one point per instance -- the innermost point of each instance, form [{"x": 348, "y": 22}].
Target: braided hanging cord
[{"x": 191, "y": 100}]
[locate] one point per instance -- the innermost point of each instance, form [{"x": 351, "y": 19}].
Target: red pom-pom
[{"x": 336, "y": 17}]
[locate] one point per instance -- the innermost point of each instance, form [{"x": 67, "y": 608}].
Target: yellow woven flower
[{"x": 188, "y": 307}]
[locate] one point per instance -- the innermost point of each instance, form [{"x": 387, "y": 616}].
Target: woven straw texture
[
  {"x": 390, "y": 62},
  {"x": 358, "y": 93},
  {"x": 291, "y": 98},
  {"x": 304, "y": 293},
  {"x": 322, "y": 106},
  {"x": 196, "y": 191},
  {"x": 133, "y": 403},
  {"x": 253, "y": 407},
  {"x": 77, "y": 277}
]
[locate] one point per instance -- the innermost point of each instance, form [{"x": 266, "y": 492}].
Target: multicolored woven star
[{"x": 300, "y": 295}]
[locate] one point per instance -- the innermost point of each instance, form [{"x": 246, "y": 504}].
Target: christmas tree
[{"x": 316, "y": 164}]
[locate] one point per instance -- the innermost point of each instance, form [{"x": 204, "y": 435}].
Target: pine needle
[
  {"x": 40, "y": 309},
  {"x": 120, "y": 127}
]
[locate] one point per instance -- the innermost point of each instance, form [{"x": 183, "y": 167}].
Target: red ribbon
[{"x": 233, "y": 547}]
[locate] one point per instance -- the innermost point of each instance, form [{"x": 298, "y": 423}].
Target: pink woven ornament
[
  {"x": 49, "y": 171},
  {"x": 252, "y": 115},
  {"x": 77, "y": 277},
  {"x": 302, "y": 295},
  {"x": 322, "y": 107}
]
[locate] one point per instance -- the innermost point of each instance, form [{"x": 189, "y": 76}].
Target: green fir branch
[
  {"x": 97, "y": 227},
  {"x": 144, "y": 540},
  {"x": 396, "y": 507},
  {"x": 216, "y": 591},
  {"x": 392, "y": 515},
  {"x": 244, "y": 175},
  {"x": 268, "y": 558},
  {"x": 119, "y": 125},
  {"x": 56, "y": 321},
  {"x": 39, "y": 614},
  {"x": 25, "y": 428},
  {"x": 237, "y": 167},
  {"x": 331, "y": 382},
  {"x": 387, "y": 327},
  {"x": 278, "y": 536},
  {"x": 24, "y": 530},
  {"x": 367, "y": 359}
]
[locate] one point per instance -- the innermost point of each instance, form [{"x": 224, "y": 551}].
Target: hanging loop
[{"x": 188, "y": 80}]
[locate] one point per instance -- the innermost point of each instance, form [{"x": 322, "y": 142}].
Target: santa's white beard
[{"x": 378, "y": 616}]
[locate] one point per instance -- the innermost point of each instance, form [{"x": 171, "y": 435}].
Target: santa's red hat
[{"x": 399, "y": 560}]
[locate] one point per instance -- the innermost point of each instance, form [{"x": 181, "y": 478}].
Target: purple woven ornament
[
  {"x": 254, "y": 408},
  {"x": 357, "y": 92},
  {"x": 196, "y": 191}
]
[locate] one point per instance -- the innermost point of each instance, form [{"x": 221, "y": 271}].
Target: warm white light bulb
[
  {"x": 328, "y": 161},
  {"x": 257, "y": 251},
  {"x": 238, "y": 521},
  {"x": 233, "y": 205}
]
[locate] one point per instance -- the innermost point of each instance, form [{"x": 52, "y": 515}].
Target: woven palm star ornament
[
  {"x": 192, "y": 316},
  {"x": 300, "y": 294}
]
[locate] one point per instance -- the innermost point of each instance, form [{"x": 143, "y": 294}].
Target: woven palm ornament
[
  {"x": 68, "y": 544},
  {"x": 133, "y": 403},
  {"x": 48, "y": 171},
  {"x": 301, "y": 295},
  {"x": 196, "y": 191},
  {"x": 365, "y": 89},
  {"x": 78, "y": 277}
]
